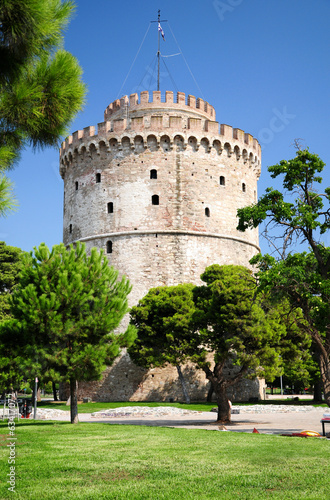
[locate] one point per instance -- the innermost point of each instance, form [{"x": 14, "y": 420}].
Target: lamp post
[{"x": 35, "y": 398}]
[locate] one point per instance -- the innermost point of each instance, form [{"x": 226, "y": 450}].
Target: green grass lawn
[{"x": 101, "y": 461}]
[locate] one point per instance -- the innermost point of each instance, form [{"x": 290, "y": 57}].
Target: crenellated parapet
[
  {"x": 167, "y": 126},
  {"x": 245, "y": 152},
  {"x": 154, "y": 101}
]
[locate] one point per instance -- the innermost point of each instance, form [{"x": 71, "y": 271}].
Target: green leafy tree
[
  {"x": 235, "y": 327},
  {"x": 40, "y": 83},
  {"x": 8, "y": 203},
  {"x": 301, "y": 278},
  {"x": 222, "y": 320},
  {"x": 163, "y": 319},
  {"x": 297, "y": 278},
  {"x": 295, "y": 346},
  {"x": 10, "y": 265},
  {"x": 65, "y": 310}
]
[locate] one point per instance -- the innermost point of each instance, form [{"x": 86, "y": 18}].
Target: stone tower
[{"x": 157, "y": 186}]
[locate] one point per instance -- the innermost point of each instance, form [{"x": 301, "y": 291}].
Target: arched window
[
  {"x": 222, "y": 180},
  {"x": 243, "y": 187},
  {"x": 109, "y": 246},
  {"x": 110, "y": 207},
  {"x": 153, "y": 174},
  {"x": 207, "y": 212},
  {"x": 77, "y": 185},
  {"x": 98, "y": 177},
  {"x": 155, "y": 199}
]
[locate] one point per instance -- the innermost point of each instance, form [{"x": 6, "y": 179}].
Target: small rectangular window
[
  {"x": 155, "y": 199},
  {"x": 98, "y": 177},
  {"x": 110, "y": 207}
]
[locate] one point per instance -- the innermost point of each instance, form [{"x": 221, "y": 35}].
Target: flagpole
[
  {"x": 160, "y": 32},
  {"x": 158, "y": 53}
]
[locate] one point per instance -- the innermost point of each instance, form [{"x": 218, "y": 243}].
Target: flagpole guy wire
[
  {"x": 201, "y": 93},
  {"x": 121, "y": 88},
  {"x": 160, "y": 32}
]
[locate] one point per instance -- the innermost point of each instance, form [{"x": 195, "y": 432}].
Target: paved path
[{"x": 270, "y": 423}]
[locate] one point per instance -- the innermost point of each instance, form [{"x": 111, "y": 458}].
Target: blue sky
[{"x": 263, "y": 65}]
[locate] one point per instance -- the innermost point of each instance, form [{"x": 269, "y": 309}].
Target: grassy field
[{"x": 100, "y": 461}]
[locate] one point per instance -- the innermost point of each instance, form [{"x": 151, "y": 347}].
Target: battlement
[
  {"x": 155, "y": 100},
  {"x": 129, "y": 122},
  {"x": 227, "y": 136}
]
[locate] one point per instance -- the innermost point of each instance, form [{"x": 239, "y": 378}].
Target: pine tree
[
  {"x": 40, "y": 83},
  {"x": 10, "y": 265},
  {"x": 223, "y": 318},
  {"x": 65, "y": 310}
]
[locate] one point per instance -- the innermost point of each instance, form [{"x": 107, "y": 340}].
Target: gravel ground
[
  {"x": 267, "y": 419},
  {"x": 143, "y": 411},
  {"x": 160, "y": 411}
]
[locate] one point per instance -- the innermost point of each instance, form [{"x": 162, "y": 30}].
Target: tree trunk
[
  {"x": 210, "y": 394},
  {"x": 54, "y": 391},
  {"x": 325, "y": 376},
  {"x": 224, "y": 413},
  {"x": 318, "y": 391},
  {"x": 183, "y": 384},
  {"x": 74, "y": 401}
]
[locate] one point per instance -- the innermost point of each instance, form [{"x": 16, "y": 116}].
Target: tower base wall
[{"x": 125, "y": 381}]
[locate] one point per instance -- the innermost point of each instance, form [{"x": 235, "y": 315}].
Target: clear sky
[{"x": 263, "y": 64}]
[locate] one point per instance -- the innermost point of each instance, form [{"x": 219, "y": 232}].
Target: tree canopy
[
  {"x": 10, "y": 265},
  {"x": 237, "y": 325},
  {"x": 303, "y": 214},
  {"x": 223, "y": 320},
  {"x": 41, "y": 89},
  {"x": 300, "y": 211},
  {"x": 163, "y": 318},
  {"x": 65, "y": 310}
]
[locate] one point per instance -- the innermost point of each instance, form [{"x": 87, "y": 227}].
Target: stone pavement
[{"x": 266, "y": 419}]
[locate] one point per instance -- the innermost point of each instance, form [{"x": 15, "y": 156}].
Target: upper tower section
[
  {"x": 183, "y": 120},
  {"x": 133, "y": 106},
  {"x": 161, "y": 170}
]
